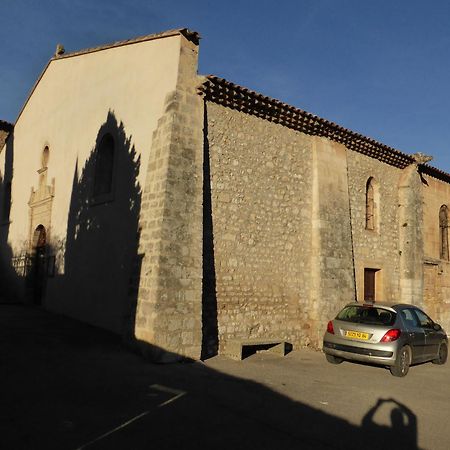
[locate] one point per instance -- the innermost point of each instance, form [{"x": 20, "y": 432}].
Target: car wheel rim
[{"x": 403, "y": 361}]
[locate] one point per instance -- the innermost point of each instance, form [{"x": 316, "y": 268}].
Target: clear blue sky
[{"x": 378, "y": 67}]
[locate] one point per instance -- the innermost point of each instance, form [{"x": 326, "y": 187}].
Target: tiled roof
[
  {"x": 237, "y": 97},
  {"x": 223, "y": 92},
  {"x": 188, "y": 34},
  {"x": 435, "y": 173}
]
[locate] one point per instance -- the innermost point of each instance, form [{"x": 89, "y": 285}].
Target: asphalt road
[{"x": 66, "y": 385}]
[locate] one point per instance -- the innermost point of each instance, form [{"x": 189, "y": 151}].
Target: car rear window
[{"x": 369, "y": 315}]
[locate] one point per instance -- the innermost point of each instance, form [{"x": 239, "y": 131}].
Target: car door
[
  {"x": 432, "y": 337},
  {"x": 416, "y": 334}
]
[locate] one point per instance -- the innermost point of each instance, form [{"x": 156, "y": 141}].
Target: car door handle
[{"x": 411, "y": 334}]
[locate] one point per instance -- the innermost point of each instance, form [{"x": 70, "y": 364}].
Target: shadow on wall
[
  {"x": 89, "y": 393},
  {"x": 210, "y": 331},
  {"x": 101, "y": 254},
  {"x": 8, "y": 277},
  {"x": 23, "y": 273}
]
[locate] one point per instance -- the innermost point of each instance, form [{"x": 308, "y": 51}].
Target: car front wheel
[
  {"x": 401, "y": 366},
  {"x": 442, "y": 355}
]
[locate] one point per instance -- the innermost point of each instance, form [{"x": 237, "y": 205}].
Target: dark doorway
[
  {"x": 369, "y": 284},
  {"x": 39, "y": 268}
]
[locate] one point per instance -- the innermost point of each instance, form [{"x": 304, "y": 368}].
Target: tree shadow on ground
[{"x": 72, "y": 386}]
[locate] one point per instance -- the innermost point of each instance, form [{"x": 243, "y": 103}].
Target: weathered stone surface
[
  {"x": 252, "y": 219},
  {"x": 436, "y": 296},
  {"x": 290, "y": 238},
  {"x": 378, "y": 248},
  {"x": 169, "y": 300},
  {"x": 282, "y": 265}
]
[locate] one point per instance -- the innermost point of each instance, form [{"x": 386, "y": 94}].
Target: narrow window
[
  {"x": 43, "y": 169},
  {"x": 104, "y": 166},
  {"x": 443, "y": 232},
  {"x": 45, "y": 157},
  {"x": 370, "y": 205},
  {"x": 6, "y": 202}
]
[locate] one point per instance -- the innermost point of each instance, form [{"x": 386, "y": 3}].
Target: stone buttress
[
  {"x": 411, "y": 241},
  {"x": 168, "y": 313}
]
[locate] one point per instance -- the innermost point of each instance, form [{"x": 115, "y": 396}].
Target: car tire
[
  {"x": 442, "y": 354},
  {"x": 401, "y": 366},
  {"x": 333, "y": 359}
]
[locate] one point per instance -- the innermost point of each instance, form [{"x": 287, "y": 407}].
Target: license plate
[{"x": 356, "y": 335}]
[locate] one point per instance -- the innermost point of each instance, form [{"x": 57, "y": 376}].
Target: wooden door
[{"x": 369, "y": 285}]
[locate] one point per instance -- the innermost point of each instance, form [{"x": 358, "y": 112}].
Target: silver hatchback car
[{"x": 391, "y": 335}]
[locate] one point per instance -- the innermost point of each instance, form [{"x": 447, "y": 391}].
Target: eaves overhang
[{"x": 230, "y": 95}]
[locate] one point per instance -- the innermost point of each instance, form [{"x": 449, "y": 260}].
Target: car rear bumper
[{"x": 363, "y": 354}]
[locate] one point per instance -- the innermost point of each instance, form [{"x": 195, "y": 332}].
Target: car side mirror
[{"x": 436, "y": 327}]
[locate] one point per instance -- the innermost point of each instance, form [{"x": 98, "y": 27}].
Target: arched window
[
  {"x": 370, "y": 204},
  {"x": 43, "y": 169},
  {"x": 104, "y": 163},
  {"x": 443, "y": 232},
  {"x": 6, "y": 201},
  {"x": 45, "y": 157}
]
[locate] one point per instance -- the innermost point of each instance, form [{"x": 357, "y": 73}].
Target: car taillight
[
  {"x": 391, "y": 335},
  {"x": 330, "y": 328}
]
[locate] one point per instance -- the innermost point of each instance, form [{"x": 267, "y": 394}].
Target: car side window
[
  {"x": 425, "y": 321},
  {"x": 410, "y": 318}
]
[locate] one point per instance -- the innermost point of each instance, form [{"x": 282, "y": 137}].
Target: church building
[{"x": 183, "y": 211}]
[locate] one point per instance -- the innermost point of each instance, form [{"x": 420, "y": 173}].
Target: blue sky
[{"x": 380, "y": 67}]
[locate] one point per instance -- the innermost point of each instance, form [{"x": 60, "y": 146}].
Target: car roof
[{"x": 391, "y": 305}]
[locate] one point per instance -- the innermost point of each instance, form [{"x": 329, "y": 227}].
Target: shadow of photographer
[{"x": 402, "y": 430}]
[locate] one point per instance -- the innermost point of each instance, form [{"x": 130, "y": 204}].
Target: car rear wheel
[
  {"x": 442, "y": 355},
  {"x": 401, "y": 366},
  {"x": 333, "y": 359}
]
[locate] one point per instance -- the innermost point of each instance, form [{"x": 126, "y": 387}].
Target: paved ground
[{"x": 65, "y": 385}]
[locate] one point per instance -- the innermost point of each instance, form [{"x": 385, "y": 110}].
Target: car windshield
[{"x": 369, "y": 315}]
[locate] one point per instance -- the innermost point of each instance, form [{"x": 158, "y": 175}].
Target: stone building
[{"x": 184, "y": 211}]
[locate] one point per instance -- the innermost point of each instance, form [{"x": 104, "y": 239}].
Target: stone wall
[
  {"x": 168, "y": 315},
  {"x": 281, "y": 263},
  {"x": 378, "y": 248},
  {"x": 289, "y": 229},
  {"x": 332, "y": 255},
  {"x": 261, "y": 205},
  {"x": 435, "y": 194},
  {"x": 411, "y": 242},
  {"x": 436, "y": 270}
]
